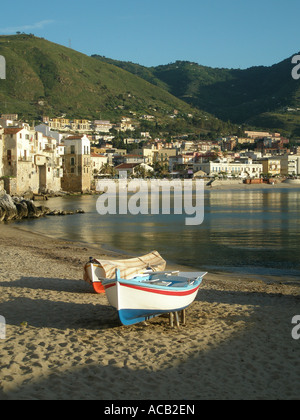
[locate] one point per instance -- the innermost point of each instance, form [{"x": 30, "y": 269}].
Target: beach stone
[
  {"x": 7, "y": 204},
  {"x": 45, "y": 210},
  {"x": 32, "y": 210},
  {"x": 2, "y": 214},
  {"x": 18, "y": 208},
  {"x": 22, "y": 210}
]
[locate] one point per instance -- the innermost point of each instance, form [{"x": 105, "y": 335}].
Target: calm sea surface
[{"x": 245, "y": 231}]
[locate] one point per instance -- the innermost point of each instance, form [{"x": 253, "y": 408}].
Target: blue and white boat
[{"x": 151, "y": 294}]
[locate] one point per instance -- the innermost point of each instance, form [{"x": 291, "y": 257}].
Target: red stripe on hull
[
  {"x": 107, "y": 286},
  {"x": 162, "y": 292}
]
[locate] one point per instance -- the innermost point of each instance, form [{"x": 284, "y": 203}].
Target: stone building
[
  {"x": 76, "y": 164},
  {"x": 30, "y": 161}
]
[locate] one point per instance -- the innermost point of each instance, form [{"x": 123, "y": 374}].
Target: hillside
[
  {"x": 258, "y": 96},
  {"x": 44, "y": 78}
]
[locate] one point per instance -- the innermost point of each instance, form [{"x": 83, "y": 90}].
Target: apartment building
[
  {"x": 30, "y": 161},
  {"x": 97, "y": 162},
  {"x": 76, "y": 164},
  {"x": 271, "y": 165},
  {"x": 238, "y": 169},
  {"x": 81, "y": 125},
  {"x": 125, "y": 125},
  {"x": 102, "y": 126},
  {"x": 290, "y": 165},
  {"x": 59, "y": 124}
]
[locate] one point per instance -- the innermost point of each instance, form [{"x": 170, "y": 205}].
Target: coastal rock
[
  {"x": 18, "y": 208},
  {"x": 22, "y": 210},
  {"x": 8, "y": 207},
  {"x": 32, "y": 210},
  {"x": 2, "y": 214}
]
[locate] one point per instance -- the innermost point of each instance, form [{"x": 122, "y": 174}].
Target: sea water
[{"x": 249, "y": 231}]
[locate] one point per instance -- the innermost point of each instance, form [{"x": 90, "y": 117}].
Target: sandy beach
[{"x": 65, "y": 342}]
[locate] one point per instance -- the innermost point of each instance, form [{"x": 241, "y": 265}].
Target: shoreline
[
  {"x": 64, "y": 342},
  {"x": 109, "y": 253},
  {"x": 122, "y": 253}
]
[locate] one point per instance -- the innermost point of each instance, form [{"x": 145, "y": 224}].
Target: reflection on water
[{"x": 254, "y": 231}]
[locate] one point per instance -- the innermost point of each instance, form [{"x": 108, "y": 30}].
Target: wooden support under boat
[
  {"x": 183, "y": 318},
  {"x": 171, "y": 319}
]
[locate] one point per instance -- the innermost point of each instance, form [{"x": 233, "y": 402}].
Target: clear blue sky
[{"x": 216, "y": 33}]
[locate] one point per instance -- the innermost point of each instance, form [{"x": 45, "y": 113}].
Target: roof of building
[
  {"x": 13, "y": 130},
  {"x": 127, "y": 166}
]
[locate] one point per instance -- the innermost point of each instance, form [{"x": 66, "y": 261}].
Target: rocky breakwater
[{"x": 18, "y": 208}]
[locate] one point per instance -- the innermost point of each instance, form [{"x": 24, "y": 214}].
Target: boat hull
[
  {"x": 136, "y": 303},
  {"x": 91, "y": 273},
  {"x": 97, "y": 270}
]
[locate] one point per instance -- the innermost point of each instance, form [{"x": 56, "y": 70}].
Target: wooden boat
[
  {"x": 97, "y": 270},
  {"x": 150, "y": 294}
]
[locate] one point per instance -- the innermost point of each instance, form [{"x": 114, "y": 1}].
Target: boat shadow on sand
[
  {"x": 75, "y": 305},
  {"x": 51, "y": 284}
]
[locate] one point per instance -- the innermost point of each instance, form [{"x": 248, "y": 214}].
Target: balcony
[{"x": 25, "y": 159}]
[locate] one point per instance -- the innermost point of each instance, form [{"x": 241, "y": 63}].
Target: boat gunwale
[{"x": 188, "y": 287}]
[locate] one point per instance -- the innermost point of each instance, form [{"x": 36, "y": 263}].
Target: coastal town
[
  {"x": 60, "y": 154},
  {"x": 150, "y": 203}
]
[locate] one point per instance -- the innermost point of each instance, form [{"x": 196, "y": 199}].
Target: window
[
  {"x": 72, "y": 161},
  {"x": 72, "y": 150}
]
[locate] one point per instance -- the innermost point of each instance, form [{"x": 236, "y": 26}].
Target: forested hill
[
  {"x": 44, "y": 78},
  {"x": 266, "y": 97}
]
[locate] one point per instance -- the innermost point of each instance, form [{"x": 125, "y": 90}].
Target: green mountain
[
  {"x": 258, "y": 96},
  {"x": 44, "y": 78}
]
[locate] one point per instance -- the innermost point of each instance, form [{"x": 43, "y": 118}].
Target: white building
[
  {"x": 46, "y": 130},
  {"x": 237, "y": 169},
  {"x": 97, "y": 162},
  {"x": 290, "y": 165},
  {"x": 102, "y": 126}
]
